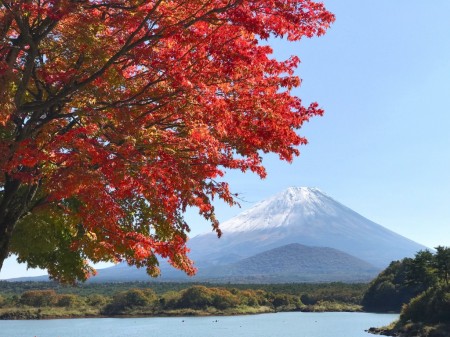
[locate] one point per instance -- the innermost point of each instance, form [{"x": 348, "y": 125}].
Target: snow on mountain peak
[
  {"x": 309, "y": 217},
  {"x": 279, "y": 210}
]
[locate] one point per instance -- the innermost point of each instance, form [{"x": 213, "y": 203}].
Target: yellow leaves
[
  {"x": 5, "y": 112},
  {"x": 91, "y": 236},
  {"x": 91, "y": 100},
  {"x": 8, "y": 89}
]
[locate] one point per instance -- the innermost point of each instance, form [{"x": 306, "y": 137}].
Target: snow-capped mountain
[
  {"x": 306, "y": 216},
  {"x": 277, "y": 211}
]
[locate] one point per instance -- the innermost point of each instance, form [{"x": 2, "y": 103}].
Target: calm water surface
[{"x": 289, "y": 324}]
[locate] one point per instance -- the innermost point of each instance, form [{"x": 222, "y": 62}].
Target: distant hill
[{"x": 295, "y": 263}]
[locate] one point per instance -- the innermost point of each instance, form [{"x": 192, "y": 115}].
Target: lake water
[{"x": 288, "y": 324}]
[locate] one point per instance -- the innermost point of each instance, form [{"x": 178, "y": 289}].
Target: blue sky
[{"x": 382, "y": 74}]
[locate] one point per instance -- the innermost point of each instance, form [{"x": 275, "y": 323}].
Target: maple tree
[{"x": 117, "y": 116}]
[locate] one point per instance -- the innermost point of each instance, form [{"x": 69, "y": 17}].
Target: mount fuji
[{"x": 306, "y": 216}]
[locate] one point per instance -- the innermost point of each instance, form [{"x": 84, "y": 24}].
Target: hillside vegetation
[
  {"x": 29, "y": 300},
  {"x": 294, "y": 263},
  {"x": 421, "y": 288}
]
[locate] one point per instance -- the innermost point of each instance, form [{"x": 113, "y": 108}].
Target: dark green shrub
[
  {"x": 130, "y": 299},
  {"x": 169, "y": 300},
  {"x": 432, "y": 306},
  {"x": 96, "y": 300},
  {"x": 196, "y": 297},
  {"x": 308, "y": 299},
  {"x": 280, "y": 300}
]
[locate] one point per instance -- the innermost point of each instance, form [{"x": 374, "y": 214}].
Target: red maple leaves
[{"x": 124, "y": 113}]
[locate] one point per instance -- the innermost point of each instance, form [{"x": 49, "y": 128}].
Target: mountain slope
[
  {"x": 306, "y": 216},
  {"x": 295, "y": 263}
]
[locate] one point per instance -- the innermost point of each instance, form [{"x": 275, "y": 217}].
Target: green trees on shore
[
  {"x": 432, "y": 306},
  {"x": 27, "y": 300},
  {"x": 390, "y": 289},
  {"x": 418, "y": 288},
  {"x": 404, "y": 280}
]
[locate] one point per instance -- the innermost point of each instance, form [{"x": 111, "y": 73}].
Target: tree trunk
[
  {"x": 6, "y": 229},
  {"x": 15, "y": 203}
]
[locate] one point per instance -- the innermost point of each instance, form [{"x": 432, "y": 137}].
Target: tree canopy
[
  {"x": 427, "y": 312},
  {"x": 403, "y": 280},
  {"x": 116, "y": 116}
]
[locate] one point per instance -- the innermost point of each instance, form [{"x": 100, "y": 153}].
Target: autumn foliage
[{"x": 116, "y": 116}]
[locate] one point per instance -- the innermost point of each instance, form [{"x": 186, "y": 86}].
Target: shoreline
[
  {"x": 413, "y": 330},
  {"x": 39, "y": 314}
]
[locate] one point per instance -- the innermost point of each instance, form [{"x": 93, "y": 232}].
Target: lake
[{"x": 287, "y": 324}]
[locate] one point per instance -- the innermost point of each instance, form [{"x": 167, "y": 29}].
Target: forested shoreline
[
  {"x": 419, "y": 288},
  {"x": 43, "y": 300}
]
